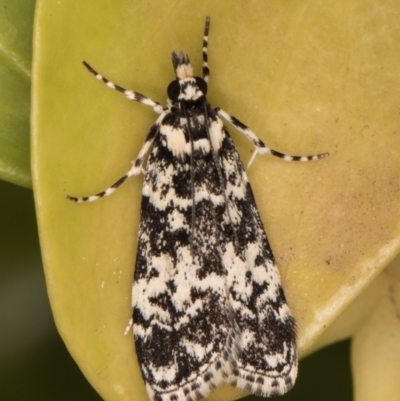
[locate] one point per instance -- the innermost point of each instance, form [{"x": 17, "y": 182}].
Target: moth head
[{"x": 185, "y": 87}]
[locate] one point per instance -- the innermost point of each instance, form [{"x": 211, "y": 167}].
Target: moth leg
[
  {"x": 128, "y": 327},
  {"x": 206, "y": 69},
  {"x": 135, "y": 170},
  {"x": 261, "y": 148},
  {"x": 131, "y": 95}
]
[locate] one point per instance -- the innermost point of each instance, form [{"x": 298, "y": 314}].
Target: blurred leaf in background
[
  {"x": 34, "y": 363},
  {"x": 16, "y": 25}
]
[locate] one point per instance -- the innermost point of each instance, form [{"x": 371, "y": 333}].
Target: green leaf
[
  {"x": 16, "y": 24},
  {"x": 306, "y": 78}
]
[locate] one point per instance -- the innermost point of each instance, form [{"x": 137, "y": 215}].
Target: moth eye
[
  {"x": 201, "y": 84},
  {"x": 174, "y": 90}
]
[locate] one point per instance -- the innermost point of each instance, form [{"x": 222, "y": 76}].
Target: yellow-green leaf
[{"x": 305, "y": 77}]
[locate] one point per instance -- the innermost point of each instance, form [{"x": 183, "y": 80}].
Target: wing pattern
[{"x": 208, "y": 307}]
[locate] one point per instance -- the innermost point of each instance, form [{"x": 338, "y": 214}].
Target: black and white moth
[{"x": 207, "y": 303}]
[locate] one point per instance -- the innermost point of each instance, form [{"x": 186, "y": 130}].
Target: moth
[{"x": 207, "y": 303}]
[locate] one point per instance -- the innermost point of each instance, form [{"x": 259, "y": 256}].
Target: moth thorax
[{"x": 181, "y": 63}]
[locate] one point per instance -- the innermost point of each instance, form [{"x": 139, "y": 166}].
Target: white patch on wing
[
  {"x": 194, "y": 349},
  {"x": 176, "y": 221},
  {"x": 237, "y": 269},
  {"x": 216, "y": 134},
  {"x": 248, "y": 337},
  {"x": 201, "y": 144},
  {"x": 175, "y": 138}
]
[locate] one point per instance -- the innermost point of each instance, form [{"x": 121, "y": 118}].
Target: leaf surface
[{"x": 306, "y": 78}]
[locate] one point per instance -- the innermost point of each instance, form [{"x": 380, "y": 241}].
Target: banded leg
[
  {"x": 261, "y": 148},
  {"x": 135, "y": 170},
  {"x": 206, "y": 69},
  {"x": 131, "y": 95}
]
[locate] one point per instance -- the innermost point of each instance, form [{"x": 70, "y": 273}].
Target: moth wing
[
  {"x": 267, "y": 363},
  {"x": 182, "y": 324}
]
